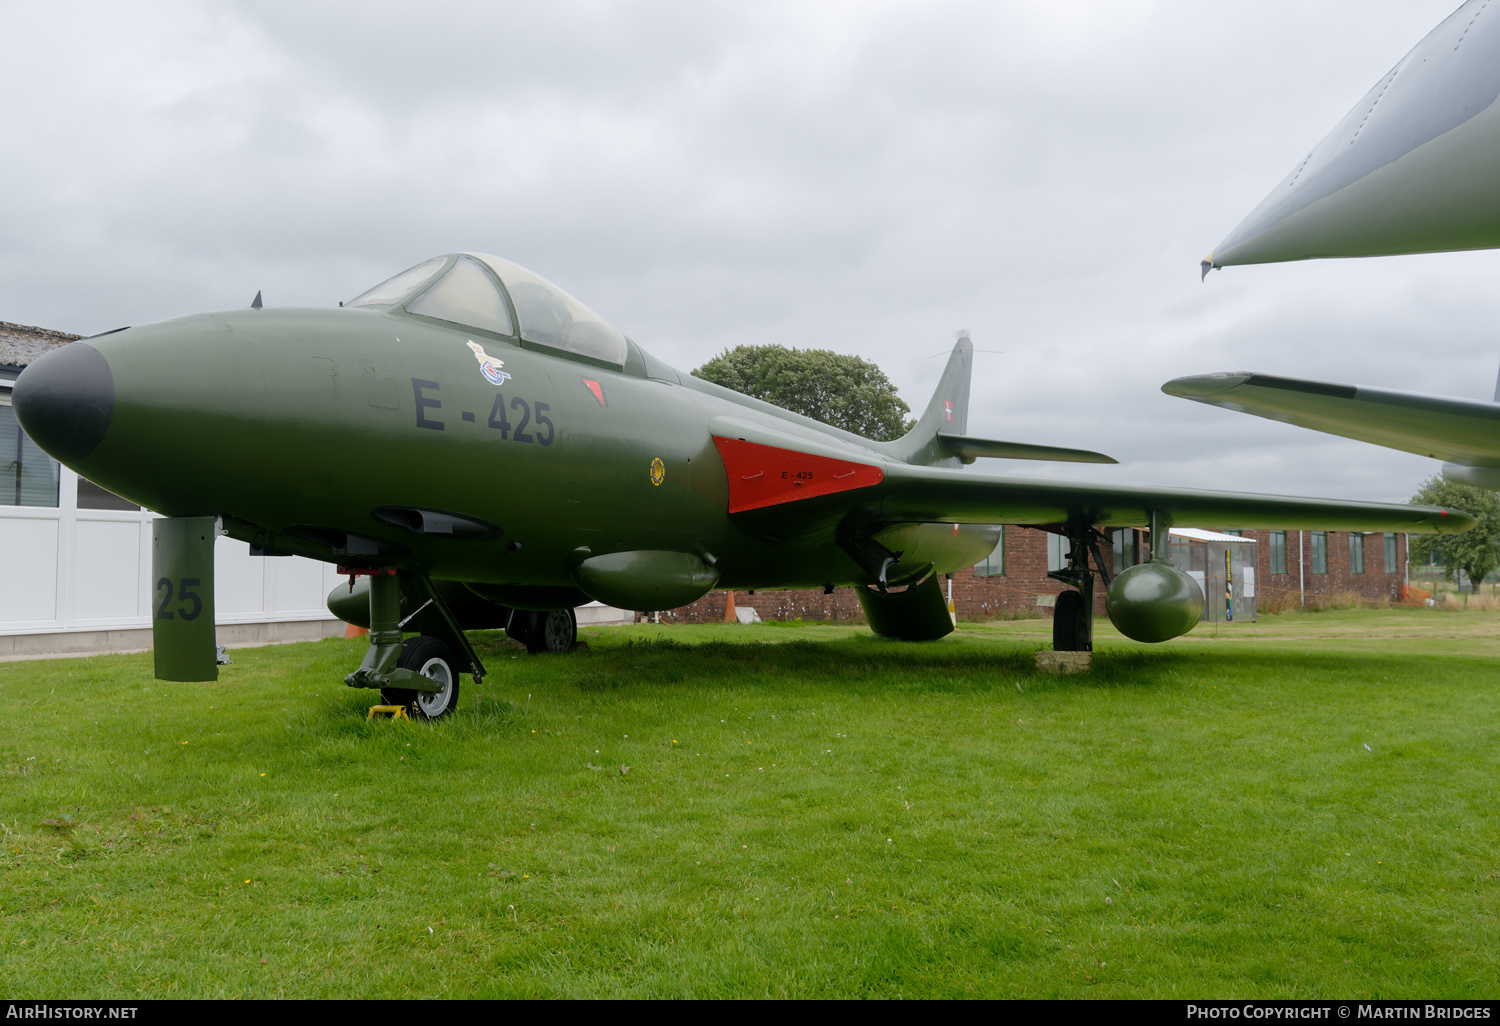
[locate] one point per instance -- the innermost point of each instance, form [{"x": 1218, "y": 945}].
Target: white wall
[{"x": 70, "y": 569}]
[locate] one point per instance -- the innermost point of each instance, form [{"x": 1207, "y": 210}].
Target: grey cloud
[{"x": 859, "y": 177}]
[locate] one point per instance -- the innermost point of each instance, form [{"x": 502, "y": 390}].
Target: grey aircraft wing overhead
[
  {"x": 1413, "y": 168},
  {"x": 1464, "y": 432}
]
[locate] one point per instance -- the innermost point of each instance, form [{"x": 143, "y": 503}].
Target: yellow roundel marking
[{"x": 658, "y": 471}]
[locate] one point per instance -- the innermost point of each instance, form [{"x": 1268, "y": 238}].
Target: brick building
[{"x": 1291, "y": 568}]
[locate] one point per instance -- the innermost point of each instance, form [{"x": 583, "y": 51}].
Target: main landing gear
[
  {"x": 419, "y": 673},
  {"x": 554, "y": 631},
  {"x": 1073, "y": 616}
]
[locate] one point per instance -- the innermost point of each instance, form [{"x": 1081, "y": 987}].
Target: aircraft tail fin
[
  {"x": 1497, "y": 389},
  {"x": 947, "y": 412}
]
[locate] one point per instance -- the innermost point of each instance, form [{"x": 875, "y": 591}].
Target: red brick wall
[
  {"x": 1026, "y": 578},
  {"x": 1374, "y": 585}
]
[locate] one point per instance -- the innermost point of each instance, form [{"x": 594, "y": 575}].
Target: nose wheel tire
[{"x": 431, "y": 658}]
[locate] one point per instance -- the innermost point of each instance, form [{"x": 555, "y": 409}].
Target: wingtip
[
  {"x": 1203, "y": 386},
  {"x": 1206, "y": 264},
  {"x": 1453, "y": 521}
]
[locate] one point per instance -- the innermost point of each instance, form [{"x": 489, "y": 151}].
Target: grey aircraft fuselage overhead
[
  {"x": 1410, "y": 169},
  {"x": 1413, "y": 168}
]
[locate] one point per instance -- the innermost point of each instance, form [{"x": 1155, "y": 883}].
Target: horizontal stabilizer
[
  {"x": 1441, "y": 427},
  {"x": 968, "y": 448}
]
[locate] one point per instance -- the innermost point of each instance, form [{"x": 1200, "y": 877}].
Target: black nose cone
[{"x": 65, "y": 401}]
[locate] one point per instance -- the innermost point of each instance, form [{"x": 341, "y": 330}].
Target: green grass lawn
[{"x": 1304, "y": 806}]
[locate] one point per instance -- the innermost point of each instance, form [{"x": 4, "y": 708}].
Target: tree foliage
[
  {"x": 1475, "y": 552},
  {"x": 840, "y": 390}
]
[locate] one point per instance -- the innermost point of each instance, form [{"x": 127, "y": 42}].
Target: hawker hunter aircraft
[
  {"x": 1413, "y": 168},
  {"x": 478, "y": 449}
]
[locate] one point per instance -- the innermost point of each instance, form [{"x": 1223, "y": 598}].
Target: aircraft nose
[{"x": 66, "y": 400}]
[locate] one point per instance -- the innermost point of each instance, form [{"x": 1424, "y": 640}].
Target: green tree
[
  {"x": 840, "y": 390},
  {"x": 1475, "y": 552}
]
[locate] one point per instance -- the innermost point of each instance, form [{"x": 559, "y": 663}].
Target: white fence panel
[
  {"x": 29, "y": 598},
  {"x": 239, "y": 582},
  {"x": 106, "y": 575}
]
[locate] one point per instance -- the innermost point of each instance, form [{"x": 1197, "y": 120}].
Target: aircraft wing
[
  {"x": 1462, "y": 431},
  {"x": 904, "y": 493},
  {"x": 781, "y": 485},
  {"x": 935, "y": 494}
]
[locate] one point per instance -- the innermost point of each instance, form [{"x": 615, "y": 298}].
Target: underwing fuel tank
[
  {"x": 1411, "y": 169},
  {"x": 645, "y": 579},
  {"x": 1154, "y": 602}
]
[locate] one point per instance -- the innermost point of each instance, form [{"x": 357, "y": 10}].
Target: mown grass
[{"x": 1301, "y": 807}]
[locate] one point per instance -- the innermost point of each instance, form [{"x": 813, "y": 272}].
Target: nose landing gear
[
  {"x": 421, "y": 673},
  {"x": 432, "y": 659}
]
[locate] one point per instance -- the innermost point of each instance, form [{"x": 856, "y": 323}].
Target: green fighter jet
[{"x": 478, "y": 449}]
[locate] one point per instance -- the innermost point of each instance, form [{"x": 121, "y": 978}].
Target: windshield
[
  {"x": 551, "y": 317},
  {"x": 393, "y": 290},
  {"x": 465, "y": 295}
]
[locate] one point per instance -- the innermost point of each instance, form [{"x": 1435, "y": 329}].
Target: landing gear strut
[
  {"x": 1073, "y": 616},
  {"x": 419, "y": 673}
]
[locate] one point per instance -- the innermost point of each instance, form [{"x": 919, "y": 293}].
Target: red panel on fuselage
[{"x": 764, "y": 475}]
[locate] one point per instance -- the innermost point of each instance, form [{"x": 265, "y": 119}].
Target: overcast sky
[{"x": 864, "y": 177}]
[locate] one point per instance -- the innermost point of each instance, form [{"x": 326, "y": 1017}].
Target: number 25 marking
[{"x": 184, "y": 593}]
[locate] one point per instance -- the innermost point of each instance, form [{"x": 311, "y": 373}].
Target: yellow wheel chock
[{"x": 395, "y": 712}]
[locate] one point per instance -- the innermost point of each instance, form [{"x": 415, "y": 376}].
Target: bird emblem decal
[{"x": 490, "y": 366}]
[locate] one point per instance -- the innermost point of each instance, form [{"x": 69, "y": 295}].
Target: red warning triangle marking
[{"x": 595, "y": 388}]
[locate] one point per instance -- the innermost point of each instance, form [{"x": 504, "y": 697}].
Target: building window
[
  {"x": 1320, "y": 552},
  {"x": 92, "y": 496},
  {"x": 1390, "y": 554},
  {"x": 1057, "y": 551},
  {"x": 1278, "y": 552},
  {"x": 993, "y": 564},
  {"x": 28, "y": 476},
  {"x": 1127, "y": 549},
  {"x": 1356, "y": 552}
]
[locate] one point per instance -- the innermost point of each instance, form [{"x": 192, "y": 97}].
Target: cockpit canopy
[{"x": 477, "y": 290}]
